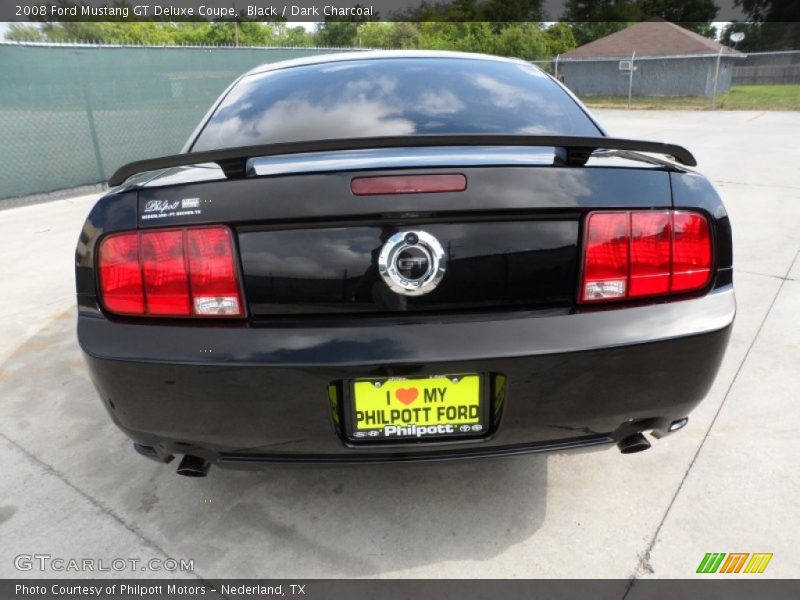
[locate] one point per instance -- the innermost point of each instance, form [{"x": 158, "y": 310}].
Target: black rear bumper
[{"x": 242, "y": 396}]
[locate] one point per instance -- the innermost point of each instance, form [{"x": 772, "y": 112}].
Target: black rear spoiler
[{"x": 571, "y": 151}]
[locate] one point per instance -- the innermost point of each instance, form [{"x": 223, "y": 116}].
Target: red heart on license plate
[{"x": 407, "y": 395}]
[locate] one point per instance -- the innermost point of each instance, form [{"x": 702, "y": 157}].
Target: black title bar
[{"x": 395, "y": 589}]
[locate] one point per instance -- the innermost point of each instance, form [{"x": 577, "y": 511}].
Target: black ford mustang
[{"x": 401, "y": 256}]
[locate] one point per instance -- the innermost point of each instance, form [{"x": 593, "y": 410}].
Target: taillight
[
  {"x": 188, "y": 272},
  {"x": 635, "y": 254},
  {"x": 166, "y": 286},
  {"x": 691, "y": 251},
  {"x": 121, "y": 274},
  {"x": 408, "y": 184},
  {"x": 606, "y": 264},
  {"x": 651, "y": 235},
  {"x": 215, "y": 286}
]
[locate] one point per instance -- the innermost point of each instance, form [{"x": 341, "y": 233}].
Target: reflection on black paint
[{"x": 335, "y": 270}]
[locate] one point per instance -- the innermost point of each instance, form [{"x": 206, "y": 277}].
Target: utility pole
[
  {"x": 630, "y": 78},
  {"x": 716, "y": 79}
]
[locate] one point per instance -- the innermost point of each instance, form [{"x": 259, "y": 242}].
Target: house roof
[{"x": 650, "y": 38}]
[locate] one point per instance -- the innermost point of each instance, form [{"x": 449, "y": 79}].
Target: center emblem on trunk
[{"x": 412, "y": 263}]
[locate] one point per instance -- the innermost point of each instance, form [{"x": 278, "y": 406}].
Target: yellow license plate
[{"x": 442, "y": 406}]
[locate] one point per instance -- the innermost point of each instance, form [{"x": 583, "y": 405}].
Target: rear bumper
[{"x": 242, "y": 396}]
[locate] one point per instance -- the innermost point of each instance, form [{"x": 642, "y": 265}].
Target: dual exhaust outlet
[{"x": 194, "y": 466}]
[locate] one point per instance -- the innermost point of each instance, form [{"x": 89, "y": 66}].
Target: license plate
[{"x": 417, "y": 408}]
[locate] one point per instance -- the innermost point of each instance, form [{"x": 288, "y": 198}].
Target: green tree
[
  {"x": 427, "y": 12},
  {"x": 24, "y": 32},
  {"x": 560, "y": 38},
  {"x": 691, "y": 14},
  {"x": 773, "y": 25},
  {"x": 336, "y": 33},
  {"x": 245, "y": 33},
  {"x": 249, "y": 33},
  {"x": 704, "y": 29},
  {"x": 775, "y": 11},
  {"x": 763, "y": 37},
  {"x": 591, "y": 20},
  {"x": 296, "y": 36},
  {"x": 589, "y": 31},
  {"x": 522, "y": 40},
  {"x": 404, "y": 35},
  {"x": 339, "y": 31},
  {"x": 375, "y": 35},
  {"x": 511, "y": 10},
  {"x": 464, "y": 37},
  {"x": 109, "y": 32},
  {"x": 192, "y": 34}
]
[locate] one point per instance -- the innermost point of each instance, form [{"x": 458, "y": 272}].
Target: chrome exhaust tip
[
  {"x": 632, "y": 444},
  {"x": 193, "y": 466}
]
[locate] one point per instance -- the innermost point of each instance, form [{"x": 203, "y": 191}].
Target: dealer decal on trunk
[{"x": 163, "y": 209}]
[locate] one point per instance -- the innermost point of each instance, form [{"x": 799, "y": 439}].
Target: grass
[
  {"x": 740, "y": 97},
  {"x": 763, "y": 97}
]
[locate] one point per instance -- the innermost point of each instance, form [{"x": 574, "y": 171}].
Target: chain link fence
[
  {"x": 629, "y": 77},
  {"x": 71, "y": 114},
  {"x": 696, "y": 80}
]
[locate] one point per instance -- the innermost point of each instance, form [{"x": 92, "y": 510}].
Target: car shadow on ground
[{"x": 299, "y": 521}]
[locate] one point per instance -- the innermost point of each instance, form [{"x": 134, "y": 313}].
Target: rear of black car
[{"x": 402, "y": 303}]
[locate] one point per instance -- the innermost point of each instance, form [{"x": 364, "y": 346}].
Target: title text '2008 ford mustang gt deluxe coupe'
[{"x": 402, "y": 256}]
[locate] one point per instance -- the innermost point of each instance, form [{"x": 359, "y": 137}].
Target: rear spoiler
[{"x": 571, "y": 151}]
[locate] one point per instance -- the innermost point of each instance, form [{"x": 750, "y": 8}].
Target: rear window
[{"x": 392, "y": 97}]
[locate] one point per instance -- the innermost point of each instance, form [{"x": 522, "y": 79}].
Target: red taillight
[
  {"x": 215, "y": 287},
  {"x": 166, "y": 286},
  {"x": 121, "y": 274},
  {"x": 635, "y": 254},
  {"x": 691, "y": 251},
  {"x": 408, "y": 184},
  {"x": 651, "y": 233},
  {"x": 605, "y": 268},
  {"x": 189, "y": 272}
]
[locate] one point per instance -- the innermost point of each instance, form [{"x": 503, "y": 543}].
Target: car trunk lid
[{"x": 308, "y": 245}]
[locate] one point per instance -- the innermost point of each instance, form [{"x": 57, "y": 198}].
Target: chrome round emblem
[{"x": 412, "y": 263}]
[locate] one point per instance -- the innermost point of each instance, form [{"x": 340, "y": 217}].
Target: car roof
[{"x": 378, "y": 55}]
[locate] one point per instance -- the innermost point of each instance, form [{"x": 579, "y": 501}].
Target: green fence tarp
[{"x": 70, "y": 115}]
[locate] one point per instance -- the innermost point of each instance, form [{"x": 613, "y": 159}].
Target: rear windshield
[{"x": 392, "y": 97}]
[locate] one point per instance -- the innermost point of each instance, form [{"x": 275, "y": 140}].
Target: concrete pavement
[{"x": 72, "y": 486}]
